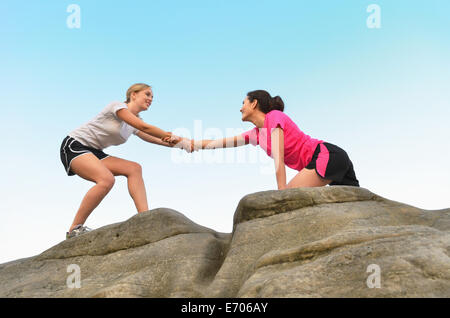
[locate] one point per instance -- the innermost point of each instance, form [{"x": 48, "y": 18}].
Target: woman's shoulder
[
  {"x": 115, "y": 106},
  {"x": 116, "y": 103},
  {"x": 275, "y": 116},
  {"x": 276, "y": 113},
  {"x": 112, "y": 107}
]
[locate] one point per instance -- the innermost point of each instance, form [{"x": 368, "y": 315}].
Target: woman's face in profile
[
  {"x": 144, "y": 98},
  {"x": 247, "y": 108}
]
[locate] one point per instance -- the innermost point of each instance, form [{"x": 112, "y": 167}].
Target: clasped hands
[{"x": 183, "y": 143}]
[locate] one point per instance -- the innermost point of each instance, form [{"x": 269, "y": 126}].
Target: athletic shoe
[{"x": 77, "y": 230}]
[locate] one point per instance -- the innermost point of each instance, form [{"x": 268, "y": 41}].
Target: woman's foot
[{"x": 77, "y": 230}]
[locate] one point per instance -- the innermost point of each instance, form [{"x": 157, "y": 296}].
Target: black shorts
[
  {"x": 70, "y": 149},
  {"x": 333, "y": 163}
]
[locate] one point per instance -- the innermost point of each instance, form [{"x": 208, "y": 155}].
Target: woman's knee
[
  {"x": 135, "y": 169},
  {"x": 106, "y": 181}
]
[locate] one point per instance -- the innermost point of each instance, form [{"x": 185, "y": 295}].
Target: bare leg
[
  {"x": 133, "y": 172},
  {"x": 136, "y": 188},
  {"x": 89, "y": 167},
  {"x": 307, "y": 178}
]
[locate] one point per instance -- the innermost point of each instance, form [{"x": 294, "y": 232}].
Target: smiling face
[
  {"x": 247, "y": 108},
  {"x": 143, "y": 99}
]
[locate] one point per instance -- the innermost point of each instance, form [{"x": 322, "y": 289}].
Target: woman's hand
[
  {"x": 166, "y": 138},
  {"x": 171, "y": 139},
  {"x": 186, "y": 144},
  {"x": 177, "y": 142}
]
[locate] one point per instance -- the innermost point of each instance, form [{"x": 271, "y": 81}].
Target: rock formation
[{"x": 334, "y": 241}]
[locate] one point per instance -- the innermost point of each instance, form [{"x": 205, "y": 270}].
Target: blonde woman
[{"x": 82, "y": 152}]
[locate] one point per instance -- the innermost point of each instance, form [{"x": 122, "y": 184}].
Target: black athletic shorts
[
  {"x": 333, "y": 163},
  {"x": 70, "y": 149}
]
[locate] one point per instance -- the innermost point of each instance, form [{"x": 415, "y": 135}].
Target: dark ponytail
[
  {"x": 266, "y": 103},
  {"x": 277, "y": 103}
]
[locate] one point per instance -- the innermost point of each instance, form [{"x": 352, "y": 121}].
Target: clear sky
[{"x": 382, "y": 94}]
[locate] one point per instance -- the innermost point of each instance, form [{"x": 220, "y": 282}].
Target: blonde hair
[{"x": 135, "y": 88}]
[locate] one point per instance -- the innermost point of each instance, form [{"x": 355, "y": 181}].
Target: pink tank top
[{"x": 298, "y": 147}]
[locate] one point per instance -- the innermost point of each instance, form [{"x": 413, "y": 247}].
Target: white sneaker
[{"x": 77, "y": 230}]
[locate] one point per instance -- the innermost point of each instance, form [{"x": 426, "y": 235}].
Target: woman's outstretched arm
[
  {"x": 228, "y": 142},
  {"x": 141, "y": 125},
  {"x": 154, "y": 140},
  {"x": 183, "y": 143},
  {"x": 277, "y": 144}
]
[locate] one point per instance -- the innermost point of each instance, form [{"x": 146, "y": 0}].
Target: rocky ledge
[{"x": 312, "y": 242}]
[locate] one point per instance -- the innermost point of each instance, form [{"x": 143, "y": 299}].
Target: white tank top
[{"x": 105, "y": 130}]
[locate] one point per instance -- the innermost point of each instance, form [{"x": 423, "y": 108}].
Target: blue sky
[{"x": 380, "y": 93}]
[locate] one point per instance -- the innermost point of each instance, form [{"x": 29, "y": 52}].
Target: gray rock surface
[{"x": 309, "y": 242}]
